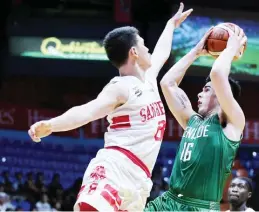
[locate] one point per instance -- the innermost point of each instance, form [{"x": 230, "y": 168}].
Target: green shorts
[{"x": 169, "y": 201}]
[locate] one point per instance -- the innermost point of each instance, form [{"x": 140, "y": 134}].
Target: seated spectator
[
  {"x": 40, "y": 182},
  {"x": 30, "y": 188},
  {"x": 8, "y": 186},
  {"x": 54, "y": 186},
  {"x": 43, "y": 204},
  {"x": 18, "y": 184},
  {"x": 5, "y": 203}
]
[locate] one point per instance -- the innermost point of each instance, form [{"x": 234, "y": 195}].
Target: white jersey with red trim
[{"x": 139, "y": 124}]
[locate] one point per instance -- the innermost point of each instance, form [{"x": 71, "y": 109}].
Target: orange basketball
[{"x": 217, "y": 40}]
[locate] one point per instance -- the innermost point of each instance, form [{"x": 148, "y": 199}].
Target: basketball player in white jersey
[{"x": 118, "y": 178}]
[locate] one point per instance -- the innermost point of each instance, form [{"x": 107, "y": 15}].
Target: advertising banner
[{"x": 57, "y": 48}]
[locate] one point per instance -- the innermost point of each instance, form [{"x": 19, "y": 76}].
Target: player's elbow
[
  {"x": 168, "y": 87},
  {"x": 216, "y": 74},
  {"x": 166, "y": 84}
]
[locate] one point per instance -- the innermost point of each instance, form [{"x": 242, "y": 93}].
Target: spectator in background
[
  {"x": 240, "y": 190},
  {"x": 68, "y": 203},
  {"x": 57, "y": 199},
  {"x": 57, "y": 207},
  {"x": 1, "y": 187},
  {"x": 30, "y": 188},
  {"x": 40, "y": 185},
  {"x": 8, "y": 187},
  {"x": 55, "y": 185},
  {"x": 43, "y": 204},
  {"x": 5, "y": 204},
  {"x": 18, "y": 184}
]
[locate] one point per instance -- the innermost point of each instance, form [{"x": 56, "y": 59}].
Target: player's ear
[
  {"x": 133, "y": 53},
  {"x": 249, "y": 195}
]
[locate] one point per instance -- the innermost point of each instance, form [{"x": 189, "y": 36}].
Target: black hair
[
  {"x": 235, "y": 87},
  {"x": 118, "y": 42},
  {"x": 249, "y": 183}
]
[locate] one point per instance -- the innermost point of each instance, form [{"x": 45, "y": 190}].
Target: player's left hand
[
  {"x": 236, "y": 41},
  {"x": 180, "y": 16},
  {"x": 200, "y": 48}
]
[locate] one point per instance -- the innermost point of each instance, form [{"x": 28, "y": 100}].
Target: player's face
[
  {"x": 143, "y": 56},
  {"x": 207, "y": 100},
  {"x": 238, "y": 192}
]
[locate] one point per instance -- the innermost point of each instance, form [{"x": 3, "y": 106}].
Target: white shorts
[{"x": 113, "y": 182}]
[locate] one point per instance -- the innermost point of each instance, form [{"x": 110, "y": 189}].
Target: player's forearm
[
  {"x": 71, "y": 119},
  {"x": 222, "y": 64},
  {"x": 164, "y": 43},
  {"x": 177, "y": 72}
]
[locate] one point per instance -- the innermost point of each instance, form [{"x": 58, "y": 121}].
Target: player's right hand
[
  {"x": 200, "y": 48},
  {"x": 39, "y": 130}
]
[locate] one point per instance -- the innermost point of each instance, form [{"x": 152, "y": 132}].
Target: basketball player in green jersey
[{"x": 211, "y": 137}]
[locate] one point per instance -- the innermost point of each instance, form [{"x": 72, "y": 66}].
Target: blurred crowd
[{"x": 30, "y": 193}]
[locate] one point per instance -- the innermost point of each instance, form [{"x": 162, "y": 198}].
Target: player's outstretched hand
[
  {"x": 39, "y": 130},
  {"x": 180, "y": 16},
  {"x": 237, "y": 40},
  {"x": 200, "y": 48}
]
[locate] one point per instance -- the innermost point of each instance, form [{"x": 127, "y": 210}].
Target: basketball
[{"x": 217, "y": 40}]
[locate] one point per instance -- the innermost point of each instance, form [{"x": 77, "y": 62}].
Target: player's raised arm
[
  {"x": 164, "y": 44},
  {"x": 219, "y": 78},
  {"x": 177, "y": 101},
  {"x": 113, "y": 95}
]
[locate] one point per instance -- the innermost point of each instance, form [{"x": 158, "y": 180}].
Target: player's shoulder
[
  {"x": 115, "y": 82},
  {"x": 122, "y": 79},
  {"x": 118, "y": 85},
  {"x": 125, "y": 81}
]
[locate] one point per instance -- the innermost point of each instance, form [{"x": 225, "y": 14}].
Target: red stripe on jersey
[
  {"x": 114, "y": 193},
  {"x": 120, "y": 119},
  {"x": 120, "y": 122},
  {"x": 118, "y": 126},
  {"x": 133, "y": 158},
  {"x": 86, "y": 207},
  {"x": 110, "y": 200}
]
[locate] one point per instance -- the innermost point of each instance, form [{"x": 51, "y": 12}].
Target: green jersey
[{"x": 203, "y": 161}]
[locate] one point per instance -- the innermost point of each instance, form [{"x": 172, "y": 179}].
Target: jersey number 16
[{"x": 186, "y": 152}]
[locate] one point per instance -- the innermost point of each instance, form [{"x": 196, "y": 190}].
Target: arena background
[{"x": 52, "y": 59}]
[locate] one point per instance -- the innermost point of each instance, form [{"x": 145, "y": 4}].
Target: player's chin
[{"x": 233, "y": 200}]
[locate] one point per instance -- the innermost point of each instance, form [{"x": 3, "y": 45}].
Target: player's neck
[
  {"x": 132, "y": 70},
  {"x": 212, "y": 112},
  {"x": 238, "y": 207}
]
